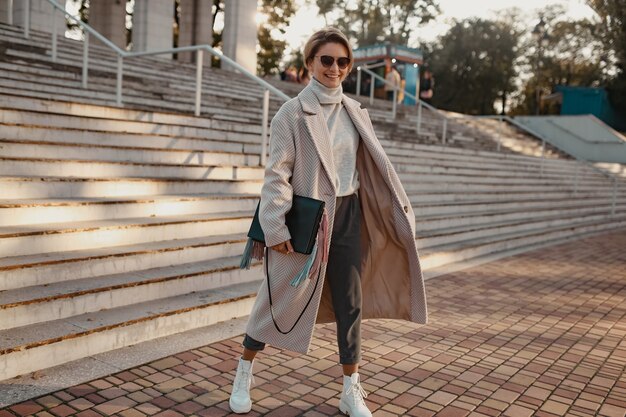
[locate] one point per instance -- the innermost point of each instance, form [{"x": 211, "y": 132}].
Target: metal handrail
[
  {"x": 122, "y": 54},
  {"x": 501, "y": 118},
  {"x": 545, "y": 139},
  {"x": 419, "y": 102}
]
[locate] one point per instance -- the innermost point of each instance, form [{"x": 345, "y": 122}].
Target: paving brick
[{"x": 534, "y": 334}]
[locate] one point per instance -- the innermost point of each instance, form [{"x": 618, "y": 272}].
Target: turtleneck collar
[{"x": 324, "y": 94}]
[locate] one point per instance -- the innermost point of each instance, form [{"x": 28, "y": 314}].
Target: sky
[{"x": 307, "y": 19}]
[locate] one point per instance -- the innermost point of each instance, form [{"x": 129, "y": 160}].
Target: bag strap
[{"x": 267, "y": 274}]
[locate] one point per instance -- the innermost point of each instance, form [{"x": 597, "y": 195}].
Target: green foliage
[
  {"x": 572, "y": 55},
  {"x": 612, "y": 31},
  {"x": 367, "y": 22},
  {"x": 473, "y": 65},
  {"x": 271, "y": 50}
]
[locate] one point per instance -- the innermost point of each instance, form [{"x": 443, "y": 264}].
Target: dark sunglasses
[{"x": 328, "y": 61}]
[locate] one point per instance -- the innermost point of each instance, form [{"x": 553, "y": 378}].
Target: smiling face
[{"x": 331, "y": 76}]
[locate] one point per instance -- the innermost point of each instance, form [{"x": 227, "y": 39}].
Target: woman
[{"x": 322, "y": 145}]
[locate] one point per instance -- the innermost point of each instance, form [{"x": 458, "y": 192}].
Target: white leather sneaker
[
  {"x": 240, "y": 402},
  {"x": 352, "y": 400}
]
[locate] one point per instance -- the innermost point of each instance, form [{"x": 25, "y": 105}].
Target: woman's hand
[{"x": 284, "y": 247}]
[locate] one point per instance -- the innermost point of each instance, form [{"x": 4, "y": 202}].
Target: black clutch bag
[{"x": 302, "y": 220}]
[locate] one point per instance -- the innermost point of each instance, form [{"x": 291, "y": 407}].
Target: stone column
[
  {"x": 240, "y": 33},
  {"x": 109, "y": 18},
  {"x": 153, "y": 22},
  {"x": 6, "y": 14},
  {"x": 196, "y": 27},
  {"x": 40, "y": 15}
]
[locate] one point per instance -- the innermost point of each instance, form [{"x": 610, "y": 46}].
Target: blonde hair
[{"x": 321, "y": 38}]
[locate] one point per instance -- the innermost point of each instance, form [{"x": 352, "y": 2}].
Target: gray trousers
[{"x": 343, "y": 274}]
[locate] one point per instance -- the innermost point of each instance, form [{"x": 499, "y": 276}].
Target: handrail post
[
  {"x": 445, "y": 128},
  {"x": 85, "y": 58},
  {"x": 27, "y": 19},
  {"x": 118, "y": 84},
  {"x": 543, "y": 150},
  {"x": 419, "y": 117},
  {"x": 358, "y": 81},
  {"x": 372, "y": 85},
  {"x": 199, "y": 62},
  {"x": 576, "y": 179},
  {"x": 501, "y": 122},
  {"x": 394, "y": 106},
  {"x": 266, "y": 111},
  {"x": 614, "y": 196},
  {"x": 54, "y": 35},
  {"x": 10, "y": 13}
]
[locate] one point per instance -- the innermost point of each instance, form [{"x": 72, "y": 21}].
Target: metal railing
[
  {"x": 502, "y": 119},
  {"x": 580, "y": 161},
  {"x": 122, "y": 54},
  {"x": 394, "y": 107}
]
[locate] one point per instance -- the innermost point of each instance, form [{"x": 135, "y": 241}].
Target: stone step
[
  {"x": 438, "y": 256},
  {"x": 179, "y": 98},
  {"x": 467, "y": 186},
  {"x": 394, "y": 148},
  {"x": 441, "y": 226},
  {"x": 158, "y": 71},
  {"x": 105, "y": 169},
  {"x": 26, "y": 71},
  {"x": 38, "y": 346},
  {"x": 190, "y": 158},
  {"x": 444, "y": 199},
  {"x": 238, "y": 144},
  {"x": 58, "y": 210},
  {"x": 38, "y": 90},
  {"x": 107, "y": 153},
  {"x": 30, "y": 348},
  {"x": 43, "y": 112},
  {"x": 23, "y": 307},
  {"x": 508, "y": 203},
  {"x": 56, "y": 267},
  {"x": 153, "y": 69},
  {"x": 54, "y": 237},
  {"x": 23, "y": 187},
  {"x": 468, "y": 234}
]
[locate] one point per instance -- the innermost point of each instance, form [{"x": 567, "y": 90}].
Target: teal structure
[{"x": 589, "y": 100}]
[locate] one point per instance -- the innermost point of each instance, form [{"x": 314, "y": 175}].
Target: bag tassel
[
  {"x": 319, "y": 254},
  {"x": 253, "y": 250}
]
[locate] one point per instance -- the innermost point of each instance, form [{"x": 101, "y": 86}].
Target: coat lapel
[{"x": 318, "y": 131}]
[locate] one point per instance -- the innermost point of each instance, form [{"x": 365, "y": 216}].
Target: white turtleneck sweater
[{"x": 344, "y": 137}]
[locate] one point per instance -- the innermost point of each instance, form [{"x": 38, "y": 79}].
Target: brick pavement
[{"x": 538, "y": 334}]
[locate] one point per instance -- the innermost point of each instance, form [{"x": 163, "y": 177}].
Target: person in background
[
  {"x": 427, "y": 85},
  {"x": 394, "y": 81}
]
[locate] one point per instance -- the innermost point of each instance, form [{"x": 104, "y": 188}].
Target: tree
[
  {"x": 271, "y": 49},
  {"x": 367, "y": 22},
  {"x": 473, "y": 64},
  {"x": 612, "y": 30},
  {"x": 572, "y": 55}
]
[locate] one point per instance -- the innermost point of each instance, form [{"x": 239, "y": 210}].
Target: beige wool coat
[{"x": 301, "y": 162}]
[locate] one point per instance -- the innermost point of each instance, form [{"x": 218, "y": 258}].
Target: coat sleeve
[{"x": 277, "y": 192}]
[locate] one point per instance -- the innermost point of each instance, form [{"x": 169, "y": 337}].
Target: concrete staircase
[{"x": 121, "y": 225}]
